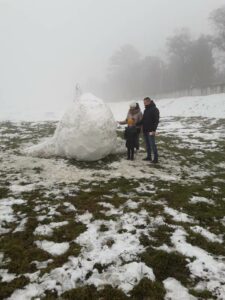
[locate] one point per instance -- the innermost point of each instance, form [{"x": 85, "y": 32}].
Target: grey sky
[{"x": 46, "y": 46}]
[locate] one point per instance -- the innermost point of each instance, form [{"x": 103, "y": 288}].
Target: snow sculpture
[{"x": 86, "y": 132}]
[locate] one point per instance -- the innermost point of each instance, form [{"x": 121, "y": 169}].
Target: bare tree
[{"x": 218, "y": 19}]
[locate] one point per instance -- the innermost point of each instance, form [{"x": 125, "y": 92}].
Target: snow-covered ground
[
  {"x": 212, "y": 106},
  {"x": 115, "y": 222}
]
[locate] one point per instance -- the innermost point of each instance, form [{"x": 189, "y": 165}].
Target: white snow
[
  {"x": 176, "y": 291},
  {"x": 124, "y": 277},
  {"x": 48, "y": 229},
  {"x": 7, "y": 213},
  {"x": 212, "y": 106},
  {"x": 6, "y": 276},
  {"x": 208, "y": 235},
  {"x": 178, "y": 216},
  {"x": 205, "y": 266},
  {"x": 197, "y": 199},
  {"x": 87, "y": 132},
  {"x": 16, "y": 188},
  {"x": 54, "y": 249},
  {"x": 21, "y": 226}
]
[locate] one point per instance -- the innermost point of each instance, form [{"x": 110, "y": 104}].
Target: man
[{"x": 150, "y": 123}]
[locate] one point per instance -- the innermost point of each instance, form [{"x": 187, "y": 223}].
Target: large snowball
[{"x": 86, "y": 132}]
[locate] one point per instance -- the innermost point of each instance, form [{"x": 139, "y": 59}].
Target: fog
[{"x": 47, "y": 46}]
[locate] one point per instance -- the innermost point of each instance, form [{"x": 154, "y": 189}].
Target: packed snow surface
[{"x": 87, "y": 132}]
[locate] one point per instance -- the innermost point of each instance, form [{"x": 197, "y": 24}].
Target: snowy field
[
  {"x": 117, "y": 229},
  {"x": 212, "y": 106}
]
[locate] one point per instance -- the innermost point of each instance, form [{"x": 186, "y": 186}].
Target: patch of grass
[
  {"x": 202, "y": 294},
  {"x": 50, "y": 295},
  {"x": 146, "y": 289},
  {"x": 167, "y": 265},
  {"x": 109, "y": 242},
  {"x": 103, "y": 228},
  {"x": 101, "y": 267},
  {"x": 21, "y": 245},
  {"x": 88, "y": 292},
  {"x": 162, "y": 236},
  {"x": 67, "y": 232},
  {"x": 152, "y": 208},
  {"x": 4, "y": 191},
  {"x": 144, "y": 240},
  {"x": 38, "y": 170},
  {"x": 89, "y": 200},
  {"x": 58, "y": 261},
  {"x": 7, "y": 288},
  {"x": 211, "y": 247},
  {"x": 110, "y": 293},
  {"x": 178, "y": 197}
]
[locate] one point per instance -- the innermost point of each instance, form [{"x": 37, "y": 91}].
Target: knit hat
[
  {"x": 133, "y": 105},
  {"x": 130, "y": 122}
]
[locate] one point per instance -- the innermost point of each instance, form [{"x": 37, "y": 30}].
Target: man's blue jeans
[{"x": 151, "y": 146}]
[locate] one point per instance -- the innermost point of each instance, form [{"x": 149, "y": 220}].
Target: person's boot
[
  {"x": 155, "y": 161},
  {"x": 147, "y": 158}
]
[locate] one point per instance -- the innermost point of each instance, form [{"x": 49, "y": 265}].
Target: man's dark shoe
[
  {"x": 154, "y": 161},
  {"x": 147, "y": 159}
]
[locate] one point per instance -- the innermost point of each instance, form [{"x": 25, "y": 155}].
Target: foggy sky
[{"x": 46, "y": 46}]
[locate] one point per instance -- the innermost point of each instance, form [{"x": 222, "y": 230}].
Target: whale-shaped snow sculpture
[{"x": 86, "y": 132}]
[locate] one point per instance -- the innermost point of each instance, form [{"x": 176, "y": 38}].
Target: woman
[{"x": 135, "y": 114}]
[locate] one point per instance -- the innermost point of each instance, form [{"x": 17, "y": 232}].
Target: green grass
[
  {"x": 167, "y": 265},
  {"x": 7, "y": 288}
]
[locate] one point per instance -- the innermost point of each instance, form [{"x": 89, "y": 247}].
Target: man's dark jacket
[
  {"x": 130, "y": 136},
  {"x": 150, "y": 118}
]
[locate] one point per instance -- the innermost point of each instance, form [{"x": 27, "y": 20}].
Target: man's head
[{"x": 147, "y": 101}]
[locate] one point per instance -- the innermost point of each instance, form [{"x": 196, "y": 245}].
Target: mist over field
[{"x": 111, "y": 48}]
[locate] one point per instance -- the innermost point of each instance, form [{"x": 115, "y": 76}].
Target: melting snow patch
[
  {"x": 31, "y": 291},
  {"x": 42, "y": 264},
  {"x": 176, "y": 291},
  {"x": 178, "y": 216},
  {"x": 197, "y": 199},
  {"x": 7, "y": 213},
  {"x": 21, "y": 226},
  {"x": 69, "y": 207},
  {"x": 85, "y": 218},
  {"x": 124, "y": 277},
  {"x": 6, "y": 276},
  {"x": 211, "y": 270},
  {"x": 48, "y": 229},
  {"x": 54, "y": 249},
  {"x": 208, "y": 235},
  {"x": 131, "y": 204},
  {"x": 15, "y": 188}
]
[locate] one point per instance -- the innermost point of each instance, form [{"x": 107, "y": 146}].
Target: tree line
[{"x": 190, "y": 62}]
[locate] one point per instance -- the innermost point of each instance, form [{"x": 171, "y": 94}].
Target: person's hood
[{"x": 134, "y": 111}]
